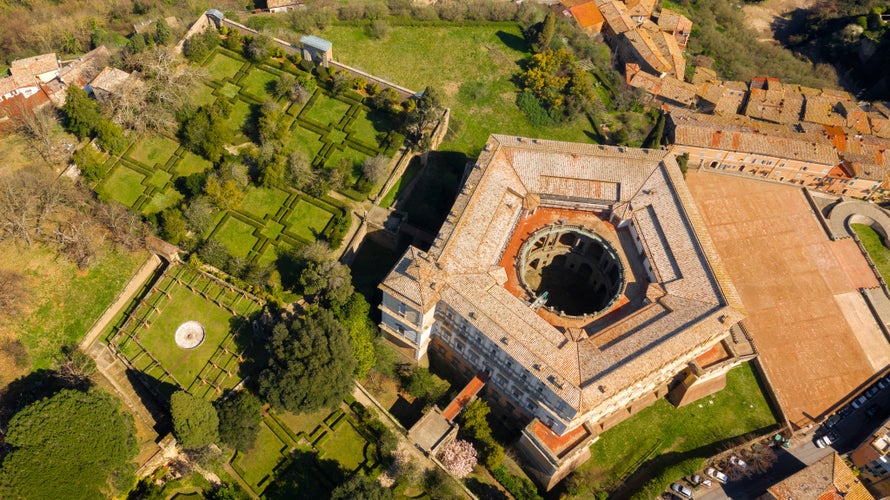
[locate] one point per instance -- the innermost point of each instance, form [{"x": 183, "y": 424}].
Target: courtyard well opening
[{"x": 571, "y": 270}]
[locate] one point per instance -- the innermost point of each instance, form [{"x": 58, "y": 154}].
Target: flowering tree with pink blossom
[{"x": 459, "y": 457}]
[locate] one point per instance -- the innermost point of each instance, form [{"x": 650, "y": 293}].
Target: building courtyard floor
[{"x": 819, "y": 343}]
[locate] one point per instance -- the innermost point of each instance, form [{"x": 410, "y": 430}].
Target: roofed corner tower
[{"x": 580, "y": 281}]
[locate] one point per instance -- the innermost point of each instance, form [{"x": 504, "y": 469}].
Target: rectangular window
[{"x": 402, "y": 308}]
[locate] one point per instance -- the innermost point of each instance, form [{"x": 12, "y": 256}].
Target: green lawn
[
  {"x": 875, "y": 247},
  {"x": 162, "y": 200},
  {"x": 222, "y": 66},
  {"x": 159, "y": 178},
  {"x": 326, "y": 110},
  {"x": 308, "y": 220},
  {"x": 369, "y": 124},
  {"x": 191, "y": 164},
  {"x": 271, "y": 231},
  {"x": 230, "y": 90},
  {"x": 184, "y": 305},
  {"x": 303, "y": 422},
  {"x": 65, "y": 301},
  {"x": 300, "y": 139},
  {"x": 154, "y": 149},
  {"x": 664, "y": 432},
  {"x": 260, "y": 201},
  {"x": 404, "y": 181},
  {"x": 483, "y": 59},
  {"x": 201, "y": 95},
  {"x": 238, "y": 119},
  {"x": 123, "y": 185},
  {"x": 237, "y": 236},
  {"x": 257, "y": 83},
  {"x": 345, "y": 446},
  {"x": 259, "y": 462}
]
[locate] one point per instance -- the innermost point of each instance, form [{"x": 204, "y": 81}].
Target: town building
[
  {"x": 828, "y": 478},
  {"x": 872, "y": 458},
  {"x": 578, "y": 281}
]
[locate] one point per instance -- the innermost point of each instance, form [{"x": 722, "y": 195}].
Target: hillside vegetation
[{"x": 720, "y": 34}]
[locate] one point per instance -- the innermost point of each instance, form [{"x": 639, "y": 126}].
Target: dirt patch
[{"x": 771, "y": 17}]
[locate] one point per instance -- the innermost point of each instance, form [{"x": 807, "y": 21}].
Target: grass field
[
  {"x": 404, "y": 181},
  {"x": 326, "y": 110},
  {"x": 184, "y": 305},
  {"x": 123, "y": 185},
  {"x": 482, "y": 59},
  {"x": 875, "y": 247},
  {"x": 63, "y": 301},
  {"x": 237, "y": 236},
  {"x": 308, "y": 220},
  {"x": 192, "y": 164},
  {"x": 153, "y": 149},
  {"x": 303, "y": 140},
  {"x": 261, "y": 202},
  {"x": 222, "y": 66},
  {"x": 238, "y": 119},
  {"x": 161, "y": 201},
  {"x": 258, "y": 463},
  {"x": 662, "y": 431},
  {"x": 368, "y": 124},
  {"x": 258, "y": 83},
  {"x": 201, "y": 95},
  {"x": 345, "y": 446}
]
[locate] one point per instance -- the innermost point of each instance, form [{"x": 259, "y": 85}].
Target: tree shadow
[
  {"x": 250, "y": 343},
  {"x": 515, "y": 42},
  {"x": 306, "y": 476},
  {"x": 290, "y": 265},
  {"x": 485, "y": 491},
  {"x": 35, "y": 386}
]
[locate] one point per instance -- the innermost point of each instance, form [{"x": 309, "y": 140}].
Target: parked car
[
  {"x": 870, "y": 393},
  {"x": 681, "y": 490},
  {"x": 717, "y": 475},
  {"x": 738, "y": 462},
  {"x": 823, "y": 441},
  {"x": 698, "y": 480},
  {"x": 832, "y": 420},
  {"x": 845, "y": 411},
  {"x": 859, "y": 402},
  {"x": 882, "y": 385}
]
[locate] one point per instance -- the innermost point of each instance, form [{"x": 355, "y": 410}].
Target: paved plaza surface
[{"x": 817, "y": 338}]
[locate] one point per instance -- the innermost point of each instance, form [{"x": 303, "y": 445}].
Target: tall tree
[
  {"x": 310, "y": 364},
  {"x": 239, "y": 420},
  {"x": 67, "y": 446},
  {"x": 195, "y": 422},
  {"x": 81, "y": 113},
  {"x": 548, "y": 29}
]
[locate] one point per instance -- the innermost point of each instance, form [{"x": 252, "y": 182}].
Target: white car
[
  {"x": 698, "y": 480},
  {"x": 734, "y": 460},
  {"x": 823, "y": 441},
  {"x": 717, "y": 475},
  {"x": 859, "y": 402},
  {"x": 681, "y": 490}
]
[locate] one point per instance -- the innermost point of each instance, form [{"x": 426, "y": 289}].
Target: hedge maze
[
  {"x": 143, "y": 335},
  {"x": 329, "y": 129},
  {"x": 335, "y": 437}
]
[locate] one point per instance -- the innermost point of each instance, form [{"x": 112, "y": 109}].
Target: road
[{"x": 851, "y": 431}]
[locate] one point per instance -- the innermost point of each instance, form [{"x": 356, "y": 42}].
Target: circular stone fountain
[{"x": 189, "y": 335}]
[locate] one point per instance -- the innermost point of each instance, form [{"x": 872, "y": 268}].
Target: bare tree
[
  {"x": 126, "y": 229},
  {"x": 376, "y": 168},
  {"x": 42, "y": 132},
  {"x": 79, "y": 241},
  {"x": 166, "y": 80}
]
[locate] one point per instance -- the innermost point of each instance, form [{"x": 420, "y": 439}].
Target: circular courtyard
[{"x": 571, "y": 269}]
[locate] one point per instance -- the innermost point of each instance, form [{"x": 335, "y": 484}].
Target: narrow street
[{"x": 851, "y": 431}]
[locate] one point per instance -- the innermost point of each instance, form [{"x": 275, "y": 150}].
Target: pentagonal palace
[{"x": 579, "y": 282}]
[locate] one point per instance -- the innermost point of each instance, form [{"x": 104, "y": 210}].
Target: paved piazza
[{"x": 817, "y": 338}]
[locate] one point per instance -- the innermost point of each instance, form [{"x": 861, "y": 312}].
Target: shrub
[
  {"x": 199, "y": 45},
  {"x": 533, "y": 109},
  {"x": 520, "y": 487}
]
